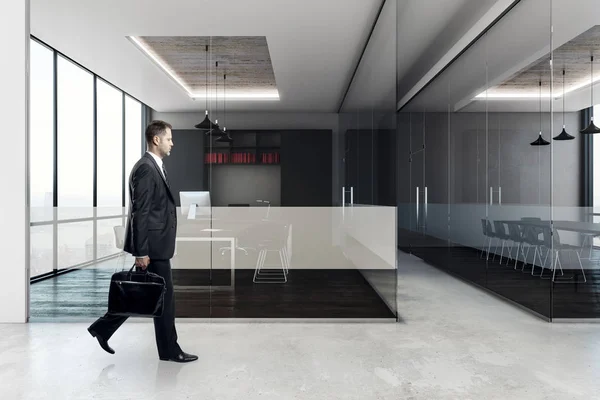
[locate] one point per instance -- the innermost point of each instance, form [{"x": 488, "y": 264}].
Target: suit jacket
[{"x": 152, "y": 222}]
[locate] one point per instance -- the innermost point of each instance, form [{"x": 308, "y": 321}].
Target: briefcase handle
[{"x": 143, "y": 272}]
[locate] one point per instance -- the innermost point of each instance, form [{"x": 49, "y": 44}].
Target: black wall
[
  {"x": 306, "y": 168},
  {"x": 370, "y": 161},
  {"x": 306, "y": 171},
  {"x": 185, "y": 165}
]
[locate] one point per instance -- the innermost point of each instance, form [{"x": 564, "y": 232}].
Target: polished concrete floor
[{"x": 454, "y": 342}]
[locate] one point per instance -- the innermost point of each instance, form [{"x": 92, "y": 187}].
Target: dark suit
[{"x": 150, "y": 231}]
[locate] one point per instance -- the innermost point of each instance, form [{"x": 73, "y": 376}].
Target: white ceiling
[
  {"x": 428, "y": 29},
  {"x": 314, "y": 44},
  {"x": 411, "y": 39},
  {"x": 517, "y": 42}
]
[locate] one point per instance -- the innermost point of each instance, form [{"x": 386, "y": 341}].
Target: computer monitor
[{"x": 195, "y": 203}]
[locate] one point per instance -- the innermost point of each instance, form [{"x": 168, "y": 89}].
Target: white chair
[{"x": 279, "y": 241}]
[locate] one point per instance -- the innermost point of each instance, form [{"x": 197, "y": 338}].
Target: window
[
  {"x": 54, "y": 242},
  {"x": 75, "y": 115},
  {"x": 41, "y": 130},
  {"x": 109, "y": 147},
  {"x": 105, "y": 237},
  {"x": 75, "y": 243},
  {"x": 133, "y": 139},
  {"x": 41, "y": 245}
]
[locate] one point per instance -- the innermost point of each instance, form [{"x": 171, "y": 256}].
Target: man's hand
[{"x": 142, "y": 262}]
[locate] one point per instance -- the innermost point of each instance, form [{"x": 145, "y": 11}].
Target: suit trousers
[{"x": 164, "y": 326}]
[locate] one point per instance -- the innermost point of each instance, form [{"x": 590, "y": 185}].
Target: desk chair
[
  {"x": 516, "y": 237},
  {"x": 277, "y": 239},
  {"x": 531, "y": 238},
  {"x": 500, "y": 232},
  {"x": 553, "y": 243}
]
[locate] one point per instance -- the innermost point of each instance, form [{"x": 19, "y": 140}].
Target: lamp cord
[{"x": 563, "y": 98}]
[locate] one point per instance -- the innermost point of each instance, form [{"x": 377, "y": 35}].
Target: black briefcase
[{"x": 136, "y": 294}]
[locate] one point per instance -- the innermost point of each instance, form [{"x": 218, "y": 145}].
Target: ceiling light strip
[
  {"x": 161, "y": 64},
  {"x": 521, "y": 95}
]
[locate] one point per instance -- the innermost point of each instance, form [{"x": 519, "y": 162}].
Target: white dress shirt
[{"x": 159, "y": 161}]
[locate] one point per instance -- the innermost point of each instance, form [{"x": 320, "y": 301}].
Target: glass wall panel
[
  {"x": 75, "y": 243},
  {"x": 133, "y": 139},
  {"x": 42, "y": 254},
  {"x": 367, "y": 123},
  {"x": 75, "y": 114},
  {"x": 474, "y": 180},
  {"x": 109, "y": 146},
  {"x": 41, "y": 132},
  {"x": 573, "y": 268},
  {"x": 105, "y": 237}
]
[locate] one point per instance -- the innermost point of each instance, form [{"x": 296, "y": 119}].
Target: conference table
[{"x": 590, "y": 228}]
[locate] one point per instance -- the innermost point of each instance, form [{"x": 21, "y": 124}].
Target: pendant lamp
[
  {"x": 206, "y": 125},
  {"x": 591, "y": 128},
  {"x": 540, "y": 141},
  {"x": 225, "y": 137},
  {"x": 563, "y": 135},
  {"x": 216, "y": 131}
]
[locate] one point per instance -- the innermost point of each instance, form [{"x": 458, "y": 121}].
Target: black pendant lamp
[
  {"x": 206, "y": 125},
  {"x": 225, "y": 137},
  {"x": 216, "y": 130},
  {"x": 540, "y": 141},
  {"x": 563, "y": 135},
  {"x": 591, "y": 128}
]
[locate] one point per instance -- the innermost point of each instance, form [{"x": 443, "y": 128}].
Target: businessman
[{"x": 150, "y": 238}]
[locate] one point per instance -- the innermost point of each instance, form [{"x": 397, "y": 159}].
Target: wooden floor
[
  {"x": 569, "y": 297},
  {"x": 307, "y": 294}
]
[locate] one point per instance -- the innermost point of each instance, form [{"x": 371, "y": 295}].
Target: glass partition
[
  {"x": 477, "y": 180},
  {"x": 573, "y": 266},
  {"x": 236, "y": 262}
]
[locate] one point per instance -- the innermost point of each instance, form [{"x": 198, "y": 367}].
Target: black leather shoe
[
  {"x": 103, "y": 343},
  {"x": 181, "y": 358}
]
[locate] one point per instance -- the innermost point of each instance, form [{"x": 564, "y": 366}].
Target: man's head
[{"x": 159, "y": 138}]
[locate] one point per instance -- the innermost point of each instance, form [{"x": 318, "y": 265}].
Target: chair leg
[
  {"x": 535, "y": 253},
  {"x": 509, "y": 256},
  {"x": 485, "y": 246},
  {"x": 553, "y": 262},
  {"x": 581, "y": 266},
  {"x": 268, "y": 276},
  {"x": 556, "y": 260},
  {"x": 502, "y": 253},
  {"x": 525, "y": 257},
  {"x": 488, "y": 250},
  {"x": 260, "y": 263},
  {"x": 522, "y": 248},
  {"x": 287, "y": 260},
  {"x": 281, "y": 258}
]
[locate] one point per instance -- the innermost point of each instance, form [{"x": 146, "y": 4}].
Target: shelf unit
[{"x": 249, "y": 147}]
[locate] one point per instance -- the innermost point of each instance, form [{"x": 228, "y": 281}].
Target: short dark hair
[{"x": 156, "y": 128}]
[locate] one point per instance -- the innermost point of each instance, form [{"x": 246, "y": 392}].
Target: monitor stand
[{"x": 192, "y": 212}]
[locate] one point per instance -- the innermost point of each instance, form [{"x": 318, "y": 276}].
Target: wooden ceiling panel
[
  {"x": 573, "y": 56},
  {"x": 245, "y": 59}
]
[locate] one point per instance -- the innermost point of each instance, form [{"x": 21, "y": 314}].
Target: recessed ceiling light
[
  {"x": 274, "y": 95},
  {"x": 530, "y": 95}
]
